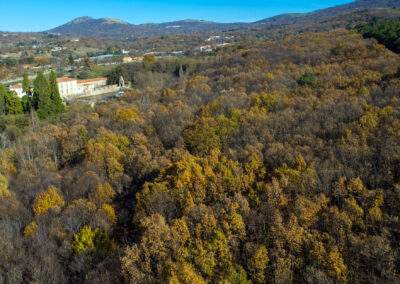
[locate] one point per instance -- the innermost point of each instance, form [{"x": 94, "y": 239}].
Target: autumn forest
[{"x": 277, "y": 162}]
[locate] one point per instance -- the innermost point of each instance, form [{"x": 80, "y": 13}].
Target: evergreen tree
[
  {"x": 113, "y": 76},
  {"x": 13, "y": 103},
  {"x": 3, "y": 94},
  {"x": 26, "y": 84},
  {"x": 41, "y": 96},
  {"x": 26, "y": 103},
  {"x": 71, "y": 60},
  {"x": 307, "y": 79},
  {"x": 385, "y": 32},
  {"x": 26, "y": 100},
  {"x": 55, "y": 93}
]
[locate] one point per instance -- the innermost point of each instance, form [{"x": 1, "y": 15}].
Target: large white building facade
[
  {"x": 67, "y": 86},
  {"x": 70, "y": 86}
]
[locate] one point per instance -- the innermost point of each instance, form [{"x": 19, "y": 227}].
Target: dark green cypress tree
[
  {"x": 13, "y": 103},
  {"x": 26, "y": 100},
  {"x": 26, "y": 84},
  {"x": 41, "y": 96},
  {"x": 55, "y": 93},
  {"x": 3, "y": 94},
  {"x": 71, "y": 60}
]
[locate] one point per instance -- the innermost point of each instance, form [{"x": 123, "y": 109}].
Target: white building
[
  {"x": 213, "y": 38},
  {"x": 67, "y": 86},
  {"x": 205, "y": 48},
  {"x": 86, "y": 86},
  {"x": 70, "y": 86},
  {"x": 18, "y": 90},
  {"x": 57, "y": 48}
]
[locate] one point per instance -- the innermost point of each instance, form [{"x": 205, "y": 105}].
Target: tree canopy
[{"x": 234, "y": 172}]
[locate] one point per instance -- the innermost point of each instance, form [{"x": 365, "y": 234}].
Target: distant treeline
[{"x": 10, "y": 62}]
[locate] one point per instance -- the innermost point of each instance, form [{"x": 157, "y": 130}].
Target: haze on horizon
[{"x": 34, "y": 16}]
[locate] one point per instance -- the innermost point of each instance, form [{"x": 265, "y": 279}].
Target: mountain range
[{"x": 115, "y": 28}]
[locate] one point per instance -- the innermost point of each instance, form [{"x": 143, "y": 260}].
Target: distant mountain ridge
[
  {"x": 309, "y": 18},
  {"x": 115, "y": 28},
  {"x": 87, "y": 26}
]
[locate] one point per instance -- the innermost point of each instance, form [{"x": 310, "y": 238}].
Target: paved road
[{"x": 9, "y": 81}]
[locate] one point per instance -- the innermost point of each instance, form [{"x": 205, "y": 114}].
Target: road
[{"x": 9, "y": 81}]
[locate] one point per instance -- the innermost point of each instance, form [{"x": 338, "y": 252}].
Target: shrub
[{"x": 307, "y": 79}]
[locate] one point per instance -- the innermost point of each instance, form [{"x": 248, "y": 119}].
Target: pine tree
[
  {"x": 41, "y": 96},
  {"x": 55, "y": 93}
]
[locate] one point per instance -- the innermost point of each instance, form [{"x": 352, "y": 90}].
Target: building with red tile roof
[{"x": 70, "y": 86}]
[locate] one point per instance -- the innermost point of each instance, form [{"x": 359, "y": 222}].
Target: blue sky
[{"x": 30, "y": 15}]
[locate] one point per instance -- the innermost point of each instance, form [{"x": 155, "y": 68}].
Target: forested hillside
[
  {"x": 274, "y": 164},
  {"x": 385, "y": 32}
]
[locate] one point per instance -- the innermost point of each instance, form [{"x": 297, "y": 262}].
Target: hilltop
[{"x": 116, "y": 28}]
